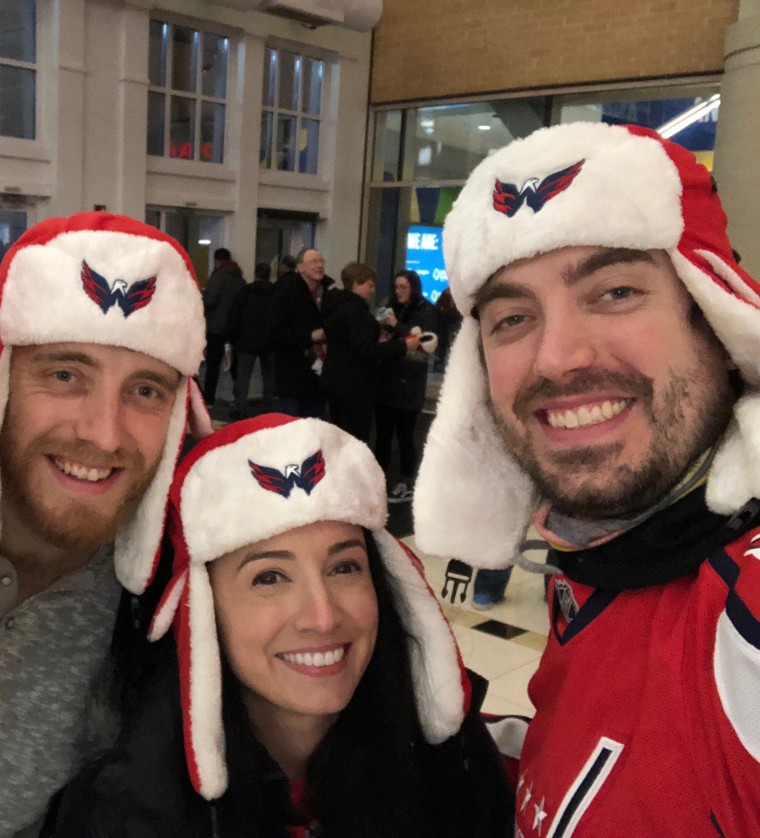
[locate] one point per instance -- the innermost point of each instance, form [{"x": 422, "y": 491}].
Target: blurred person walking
[
  {"x": 223, "y": 285},
  {"x": 248, "y": 334}
]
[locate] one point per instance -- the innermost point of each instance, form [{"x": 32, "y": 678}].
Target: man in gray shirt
[{"x": 101, "y": 326}]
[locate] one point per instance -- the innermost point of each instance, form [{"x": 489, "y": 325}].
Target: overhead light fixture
[
  {"x": 204, "y": 241},
  {"x": 683, "y": 120},
  {"x": 484, "y": 127}
]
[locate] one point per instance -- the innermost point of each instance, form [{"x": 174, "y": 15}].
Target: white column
[
  {"x": 737, "y": 147},
  {"x": 244, "y": 124}
]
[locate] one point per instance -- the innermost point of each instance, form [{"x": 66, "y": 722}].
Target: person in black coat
[
  {"x": 248, "y": 333},
  {"x": 403, "y": 380},
  {"x": 297, "y": 335},
  {"x": 355, "y": 350},
  {"x": 225, "y": 282}
]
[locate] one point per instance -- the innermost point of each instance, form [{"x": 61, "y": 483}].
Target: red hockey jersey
[{"x": 648, "y": 709}]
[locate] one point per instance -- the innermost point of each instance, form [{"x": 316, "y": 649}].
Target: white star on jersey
[{"x": 538, "y": 820}]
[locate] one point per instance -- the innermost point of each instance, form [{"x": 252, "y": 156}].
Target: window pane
[
  {"x": 447, "y": 142},
  {"x": 214, "y": 65},
  {"x": 265, "y": 149},
  {"x": 184, "y": 58},
  {"x": 17, "y": 30},
  {"x": 308, "y": 146},
  {"x": 17, "y": 102},
  {"x": 157, "y": 53},
  {"x": 212, "y": 132},
  {"x": 387, "y": 146},
  {"x": 12, "y": 225},
  {"x": 155, "y": 123},
  {"x": 290, "y": 77},
  {"x": 286, "y": 143},
  {"x": 153, "y": 217},
  {"x": 270, "y": 77},
  {"x": 687, "y": 114},
  {"x": 182, "y": 128},
  {"x": 313, "y": 72}
]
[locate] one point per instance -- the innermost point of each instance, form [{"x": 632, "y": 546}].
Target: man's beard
[
  {"x": 630, "y": 488},
  {"x": 68, "y": 522}
]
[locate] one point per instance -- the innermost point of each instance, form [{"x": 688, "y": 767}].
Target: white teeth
[
  {"x": 586, "y": 415},
  {"x": 316, "y": 659},
  {"x": 91, "y": 475}
]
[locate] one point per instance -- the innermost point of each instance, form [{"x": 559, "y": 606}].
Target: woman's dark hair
[
  {"x": 373, "y": 774},
  {"x": 415, "y": 288}
]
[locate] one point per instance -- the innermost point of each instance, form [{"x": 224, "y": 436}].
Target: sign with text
[{"x": 424, "y": 254}]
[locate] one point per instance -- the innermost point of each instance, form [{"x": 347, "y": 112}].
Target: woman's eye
[
  {"x": 267, "y": 577},
  {"x": 347, "y": 567}
]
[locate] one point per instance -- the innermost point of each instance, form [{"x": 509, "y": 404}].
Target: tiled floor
[{"x": 507, "y": 664}]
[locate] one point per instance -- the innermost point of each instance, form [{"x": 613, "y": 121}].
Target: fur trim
[
  {"x": 5, "y": 376},
  {"x": 204, "y": 689},
  {"x": 198, "y": 415},
  {"x": 607, "y": 205},
  {"x": 138, "y": 544},
  {"x": 252, "y": 513},
  {"x": 167, "y": 607},
  {"x": 471, "y": 498},
  {"x": 437, "y": 668}
]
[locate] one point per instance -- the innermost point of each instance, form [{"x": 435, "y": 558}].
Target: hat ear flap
[
  {"x": 442, "y": 690},
  {"x": 138, "y": 544},
  {"x": 734, "y": 475},
  {"x": 200, "y": 672},
  {"x": 466, "y": 473}
]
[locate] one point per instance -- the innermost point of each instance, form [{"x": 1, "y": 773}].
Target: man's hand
[
  {"x": 412, "y": 343},
  {"x": 318, "y": 336}
]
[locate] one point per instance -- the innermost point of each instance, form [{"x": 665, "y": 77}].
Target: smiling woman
[{"x": 317, "y": 689}]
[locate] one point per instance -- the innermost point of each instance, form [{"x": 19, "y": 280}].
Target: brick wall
[{"x": 429, "y": 48}]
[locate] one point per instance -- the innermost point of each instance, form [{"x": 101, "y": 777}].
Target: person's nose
[
  {"x": 317, "y": 609},
  {"x": 567, "y": 343},
  {"x": 101, "y": 420}
]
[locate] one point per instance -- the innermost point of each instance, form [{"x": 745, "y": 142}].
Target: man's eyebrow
[
  {"x": 345, "y": 545},
  {"x": 67, "y": 357},
  {"x": 605, "y": 258},
  {"x": 608, "y": 257}
]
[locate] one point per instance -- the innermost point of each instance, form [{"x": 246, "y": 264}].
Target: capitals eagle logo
[
  {"x": 507, "y": 198},
  {"x": 129, "y": 298},
  {"x": 305, "y": 476}
]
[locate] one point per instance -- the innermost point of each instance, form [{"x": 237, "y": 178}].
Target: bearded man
[
  {"x": 603, "y": 386},
  {"x": 101, "y": 324}
]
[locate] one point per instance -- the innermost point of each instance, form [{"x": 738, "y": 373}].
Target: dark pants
[
  {"x": 352, "y": 415},
  {"x": 390, "y": 421},
  {"x": 304, "y": 408},
  {"x": 245, "y": 366},
  {"x": 492, "y": 583},
  {"x": 214, "y": 356}
]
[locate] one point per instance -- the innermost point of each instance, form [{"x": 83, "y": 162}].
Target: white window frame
[
  {"x": 198, "y": 97},
  {"x": 300, "y": 114},
  {"x": 35, "y": 68}
]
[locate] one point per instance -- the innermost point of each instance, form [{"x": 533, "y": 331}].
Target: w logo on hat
[
  {"x": 507, "y": 198},
  {"x": 129, "y": 297},
  {"x": 305, "y": 476}
]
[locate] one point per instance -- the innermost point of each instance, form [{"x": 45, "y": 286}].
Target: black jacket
[
  {"x": 354, "y": 350},
  {"x": 221, "y": 289},
  {"x": 294, "y": 316},
  {"x": 248, "y": 321},
  {"x": 141, "y": 788},
  {"x": 403, "y": 380}
]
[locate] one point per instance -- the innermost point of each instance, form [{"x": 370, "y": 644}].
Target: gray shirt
[{"x": 55, "y": 683}]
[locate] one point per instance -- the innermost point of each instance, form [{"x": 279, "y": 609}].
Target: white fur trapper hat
[
  {"x": 577, "y": 184},
  {"x": 253, "y": 480},
  {"x": 108, "y": 279}
]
